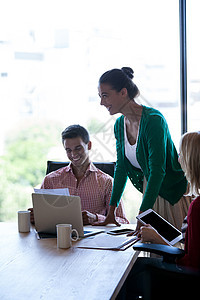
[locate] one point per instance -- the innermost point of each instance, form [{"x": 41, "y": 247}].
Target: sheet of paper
[
  {"x": 64, "y": 192},
  {"x": 107, "y": 242}
]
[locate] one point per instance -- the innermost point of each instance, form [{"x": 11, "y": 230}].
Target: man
[{"x": 83, "y": 179}]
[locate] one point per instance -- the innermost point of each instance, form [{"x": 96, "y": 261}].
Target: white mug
[
  {"x": 64, "y": 235},
  {"x": 24, "y": 221}
]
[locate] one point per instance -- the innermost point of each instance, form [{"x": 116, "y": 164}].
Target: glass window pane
[
  {"x": 193, "y": 64},
  {"x": 52, "y": 54}
]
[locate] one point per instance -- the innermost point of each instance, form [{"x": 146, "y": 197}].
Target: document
[
  {"x": 107, "y": 242},
  {"x": 59, "y": 192}
]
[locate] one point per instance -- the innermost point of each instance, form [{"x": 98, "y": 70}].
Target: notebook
[
  {"x": 108, "y": 242},
  {"x": 50, "y": 210}
]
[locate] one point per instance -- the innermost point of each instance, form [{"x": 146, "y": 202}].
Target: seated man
[{"x": 83, "y": 179}]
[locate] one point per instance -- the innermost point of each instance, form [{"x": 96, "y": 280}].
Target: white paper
[{"x": 64, "y": 192}]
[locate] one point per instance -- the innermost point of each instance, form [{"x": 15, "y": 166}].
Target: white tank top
[{"x": 130, "y": 150}]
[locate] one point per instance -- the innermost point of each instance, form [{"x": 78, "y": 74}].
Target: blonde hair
[{"x": 190, "y": 160}]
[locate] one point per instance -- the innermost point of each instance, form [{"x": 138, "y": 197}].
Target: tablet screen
[{"x": 163, "y": 228}]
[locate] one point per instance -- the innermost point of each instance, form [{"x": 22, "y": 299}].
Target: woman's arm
[
  {"x": 119, "y": 213},
  {"x": 156, "y": 131},
  {"x": 120, "y": 176}
]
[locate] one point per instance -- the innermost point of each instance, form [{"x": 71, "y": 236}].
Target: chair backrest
[{"x": 106, "y": 167}]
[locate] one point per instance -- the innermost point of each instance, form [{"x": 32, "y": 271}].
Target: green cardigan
[{"x": 157, "y": 157}]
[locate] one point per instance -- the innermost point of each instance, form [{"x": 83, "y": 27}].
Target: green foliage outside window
[{"x": 24, "y": 164}]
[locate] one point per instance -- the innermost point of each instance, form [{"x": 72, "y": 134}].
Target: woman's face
[{"x": 111, "y": 99}]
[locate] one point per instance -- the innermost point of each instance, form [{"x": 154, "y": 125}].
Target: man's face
[{"x": 77, "y": 151}]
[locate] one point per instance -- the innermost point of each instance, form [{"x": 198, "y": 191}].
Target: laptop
[{"x": 50, "y": 210}]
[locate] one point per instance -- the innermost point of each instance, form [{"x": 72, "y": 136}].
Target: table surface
[{"x": 37, "y": 269}]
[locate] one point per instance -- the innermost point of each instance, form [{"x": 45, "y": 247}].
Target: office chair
[
  {"x": 168, "y": 284},
  {"x": 106, "y": 167}
]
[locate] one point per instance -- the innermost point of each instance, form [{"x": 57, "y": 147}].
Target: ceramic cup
[
  {"x": 64, "y": 235},
  {"x": 24, "y": 221}
]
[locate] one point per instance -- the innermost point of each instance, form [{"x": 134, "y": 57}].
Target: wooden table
[{"x": 37, "y": 269}]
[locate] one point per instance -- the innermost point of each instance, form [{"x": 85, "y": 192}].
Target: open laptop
[{"x": 50, "y": 210}]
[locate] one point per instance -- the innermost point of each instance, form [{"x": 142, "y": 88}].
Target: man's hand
[
  {"x": 32, "y": 216},
  {"x": 88, "y": 218},
  {"x": 110, "y": 218}
]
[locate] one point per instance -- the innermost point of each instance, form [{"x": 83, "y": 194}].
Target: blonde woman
[{"x": 189, "y": 159}]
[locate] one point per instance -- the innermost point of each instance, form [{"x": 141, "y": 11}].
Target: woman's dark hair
[
  {"x": 119, "y": 79},
  {"x": 74, "y": 131}
]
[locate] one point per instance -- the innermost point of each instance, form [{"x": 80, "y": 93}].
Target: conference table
[{"x": 37, "y": 269}]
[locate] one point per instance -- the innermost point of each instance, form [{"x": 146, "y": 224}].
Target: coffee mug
[
  {"x": 64, "y": 235},
  {"x": 24, "y": 221}
]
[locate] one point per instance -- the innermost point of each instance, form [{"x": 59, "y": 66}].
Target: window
[
  {"x": 193, "y": 65},
  {"x": 52, "y": 54}
]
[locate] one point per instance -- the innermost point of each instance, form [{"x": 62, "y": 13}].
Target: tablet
[{"x": 170, "y": 233}]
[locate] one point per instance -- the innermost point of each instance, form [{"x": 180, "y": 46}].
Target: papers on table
[
  {"x": 59, "y": 192},
  {"x": 107, "y": 242}
]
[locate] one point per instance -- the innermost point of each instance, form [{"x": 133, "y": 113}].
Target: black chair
[
  {"x": 106, "y": 167},
  {"x": 168, "y": 284}
]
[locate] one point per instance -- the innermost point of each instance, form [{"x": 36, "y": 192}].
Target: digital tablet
[{"x": 170, "y": 233}]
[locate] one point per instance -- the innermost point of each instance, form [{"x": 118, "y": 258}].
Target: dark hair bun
[{"x": 128, "y": 71}]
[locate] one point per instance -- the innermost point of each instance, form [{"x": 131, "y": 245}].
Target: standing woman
[{"x": 145, "y": 151}]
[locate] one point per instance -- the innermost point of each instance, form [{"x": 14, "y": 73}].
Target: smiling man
[{"x": 83, "y": 179}]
